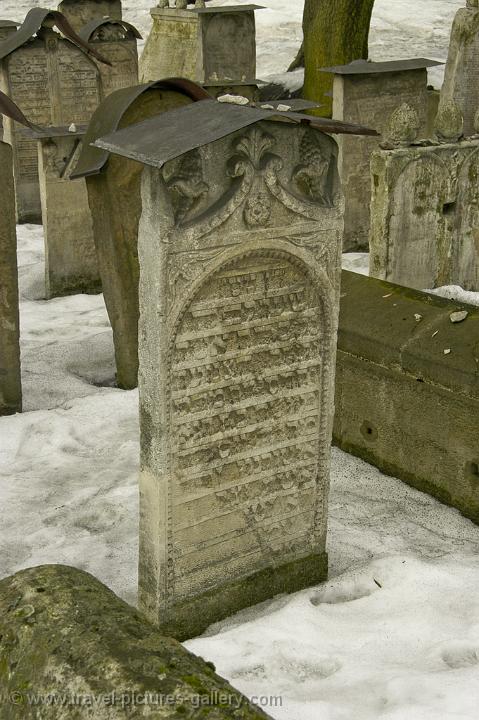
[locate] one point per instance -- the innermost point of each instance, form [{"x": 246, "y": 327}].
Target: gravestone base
[{"x": 192, "y": 618}]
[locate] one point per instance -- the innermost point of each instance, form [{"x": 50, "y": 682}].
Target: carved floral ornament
[{"x": 254, "y": 169}]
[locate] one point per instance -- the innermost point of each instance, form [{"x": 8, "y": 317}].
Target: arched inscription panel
[{"x": 246, "y": 383}]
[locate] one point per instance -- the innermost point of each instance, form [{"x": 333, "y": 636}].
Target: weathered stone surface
[
  {"x": 424, "y": 216},
  {"x": 71, "y": 265},
  {"x": 81, "y": 12},
  {"x": 402, "y": 404},
  {"x": 171, "y": 46},
  {"x": 10, "y": 382},
  {"x": 369, "y": 100},
  {"x": 117, "y": 42},
  {"x": 449, "y": 124},
  {"x": 70, "y": 648},
  {"x": 46, "y": 77},
  {"x": 461, "y": 80},
  {"x": 210, "y": 46},
  {"x": 7, "y": 27},
  {"x": 403, "y": 126},
  {"x": 239, "y": 246},
  {"x": 115, "y": 204}
]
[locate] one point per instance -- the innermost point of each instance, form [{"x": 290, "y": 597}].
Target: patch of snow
[
  {"x": 356, "y": 262},
  {"x": 456, "y": 292}
]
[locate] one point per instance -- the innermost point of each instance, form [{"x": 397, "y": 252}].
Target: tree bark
[{"x": 335, "y": 33}]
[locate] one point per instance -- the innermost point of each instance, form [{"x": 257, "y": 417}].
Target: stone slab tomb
[
  {"x": 81, "y": 12},
  {"x": 71, "y": 264},
  {"x": 240, "y": 245},
  {"x": 424, "y": 211},
  {"x": 461, "y": 79},
  {"x": 55, "y": 82},
  {"x": 113, "y": 186},
  {"x": 367, "y": 93},
  {"x": 215, "y": 46},
  {"x": 116, "y": 40}
]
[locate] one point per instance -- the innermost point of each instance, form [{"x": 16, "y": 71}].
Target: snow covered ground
[{"x": 393, "y": 634}]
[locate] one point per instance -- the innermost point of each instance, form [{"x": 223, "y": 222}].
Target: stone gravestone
[
  {"x": 113, "y": 186},
  {"x": 116, "y": 40},
  {"x": 461, "y": 79},
  {"x": 71, "y": 265},
  {"x": 367, "y": 93},
  {"x": 215, "y": 46},
  {"x": 240, "y": 246},
  {"x": 55, "y": 83},
  {"x": 10, "y": 379},
  {"x": 424, "y": 209},
  {"x": 81, "y": 12}
]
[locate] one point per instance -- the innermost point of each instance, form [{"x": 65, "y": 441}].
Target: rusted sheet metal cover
[
  {"x": 108, "y": 115},
  {"x": 34, "y": 20},
  {"x": 87, "y": 30},
  {"x": 173, "y": 133},
  {"x": 364, "y": 67},
  {"x": 9, "y": 108}
]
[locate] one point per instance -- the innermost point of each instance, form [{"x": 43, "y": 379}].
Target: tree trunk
[{"x": 335, "y": 33}]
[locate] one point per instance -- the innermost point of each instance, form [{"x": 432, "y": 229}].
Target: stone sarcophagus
[
  {"x": 81, "y": 12},
  {"x": 55, "y": 82},
  {"x": 116, "y": 40},
  {"x": 113, "y": 185},
  {"x": 240, "y": 245}
]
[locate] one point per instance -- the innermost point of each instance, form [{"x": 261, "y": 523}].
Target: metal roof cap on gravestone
[
  {"x": 108, "y": 115},
  {"x": 34, "y": 21},
  {"x": 228, "y": 9},
  {"x": 87, "y": 30},
  {"x": 366, "y": 67},
  {"x": 172, "y": 134}
]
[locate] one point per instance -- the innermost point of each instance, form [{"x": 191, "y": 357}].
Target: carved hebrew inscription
[{"x": 246, "y": 383}]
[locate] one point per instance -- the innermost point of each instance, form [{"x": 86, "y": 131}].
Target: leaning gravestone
[
  {"x": 55, "y": 83},
  {"x": 81, "y": 12},
  {"x": 461, "y": 79},
  {"x": 10, "y": 380},
  {"x": 116, "y": 40},
  {"x": 424, "y": 209},
  {"x": 240, "y": 245},
  {"x": 367, "y": 93},
  {"x": 215, "y": 46},
  {"x": 113, "y": 186},
  {"x": 71, "y": 265}
]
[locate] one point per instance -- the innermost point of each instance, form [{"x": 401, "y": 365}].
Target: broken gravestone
[
  {"x": 240, "y": 246},
  {"x": 70, "y": 648}
]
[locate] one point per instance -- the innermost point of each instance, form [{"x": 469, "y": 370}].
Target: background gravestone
[
  {"x": 7, "y": 27},
  {"x": 240, "y": 245},
  {"x": 46, "y": 75},
  {"x": 367, "y": 93},
  {"x": 10, "y": 382},
  {"x": 215, "y": 46},
  {"x": 117, "y": 42},
  {"x": 113, "y": 185},
  {"x": 424, "y": 217},
  {"x": 461, "y": 79},
  {"x": 81, "y": 12},
  {"x": 71, "y": 265}
]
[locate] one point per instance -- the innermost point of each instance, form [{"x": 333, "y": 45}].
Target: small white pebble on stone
[
  {"x": 267, "y": 107},
  {"x": 447, "y": 351},
  {"x": 283, "y": 108},
  {"x": 386, "y": 296},
  {"x": 459, "y": 316},
  {"x": 233, "y": 99},
  {"x": 418, "y": 317},
  {"x": 435, "y": 333},
  {"x": 72, "y": 128}
]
